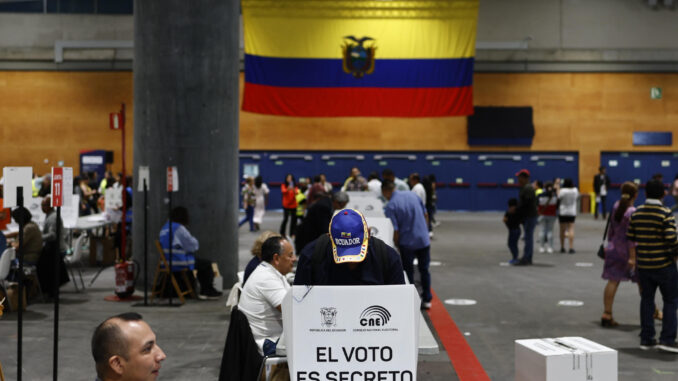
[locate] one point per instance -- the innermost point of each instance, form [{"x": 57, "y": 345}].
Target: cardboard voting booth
[
  {"x": 351, "y": 332},
  {"x": 564, "y": 359},
  {"x": 382, "y": 228},
  {"x": 368, "y": 205}
]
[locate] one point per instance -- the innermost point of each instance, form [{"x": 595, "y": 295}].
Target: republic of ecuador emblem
[{"x": 358, "y": 59}]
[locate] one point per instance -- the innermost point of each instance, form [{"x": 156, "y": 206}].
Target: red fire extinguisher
[{"x": 125, "y": 279}]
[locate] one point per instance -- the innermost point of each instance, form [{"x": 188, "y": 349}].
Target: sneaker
[
  {"x": 513, "y": 262},
  {"x": 572, "y": 251},
  {"x": 425, "y": 305},
  {"x": 646, "y": 345},
  {"x": 210, "y": 294},
  {"x": 549, "y": 250},
  {"x": 668, "y": 347},
  {"x": 541, "y": 249},
  {"x": 523, "y": 262},
  {"x": 430, "y": 234},
  {"x": 562, "y": 249}
]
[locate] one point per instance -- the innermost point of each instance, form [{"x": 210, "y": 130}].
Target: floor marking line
[{"x": 463, "y": 359}]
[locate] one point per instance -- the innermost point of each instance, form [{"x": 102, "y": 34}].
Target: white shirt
[
  {"x": 374, "y": 186},
  {"x": 419, "y": 190},
  {"x": 263, "y": 292},
  {"x": 568, "y": 201}
]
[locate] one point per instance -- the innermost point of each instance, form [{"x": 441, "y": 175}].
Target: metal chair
[
  {"x": 268, "y": 362},
  {"x": 75, "y": 258}
]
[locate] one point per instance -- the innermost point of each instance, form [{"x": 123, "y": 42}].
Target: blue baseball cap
[{"x": 349, "y": 236}]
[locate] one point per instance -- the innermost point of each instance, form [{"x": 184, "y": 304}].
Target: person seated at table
[
  {"x": 52, "y": 245},
  {"x": 348, "y": 256},
  {"x": 32, "y": 243},
  {"x": 256, "y": 254},
  {"x": 184, "y": 246},
  {"x": 263, "y": 293}
]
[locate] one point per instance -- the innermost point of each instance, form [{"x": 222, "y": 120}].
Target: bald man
[{"x": 125, "y": 349}]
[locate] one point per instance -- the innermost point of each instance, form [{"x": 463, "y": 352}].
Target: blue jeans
[
  {"x": 546, "y": 232},
  {"x": 528, "y": 227},
  {"x": 424, "y": 258},
  {"x": 249, "y": 217},
  {"x": 666, "y": 280},
  {"x": 513, "y": 237}
]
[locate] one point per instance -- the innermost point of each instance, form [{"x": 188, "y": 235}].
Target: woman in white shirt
[
  {"x": 261, "y": 199},
  {"x": 567, "y": 212}
]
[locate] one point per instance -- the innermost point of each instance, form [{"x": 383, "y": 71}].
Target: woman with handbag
[{"x": 620, "y": 253}]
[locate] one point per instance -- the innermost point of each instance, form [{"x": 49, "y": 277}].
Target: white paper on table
[{"x": 16, "y": 177}]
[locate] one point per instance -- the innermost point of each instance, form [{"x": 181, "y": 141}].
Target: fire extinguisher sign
[
  {"x": 62, "y": 186},
  {"x": 172, "y": 179}
]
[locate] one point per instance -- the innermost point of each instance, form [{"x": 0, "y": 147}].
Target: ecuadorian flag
[{"x": 411, "y": 58}]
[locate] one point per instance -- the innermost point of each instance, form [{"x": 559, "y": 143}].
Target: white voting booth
[
  {"x": 564, "y": 359},
  {"x": 382, "y": 228},
  {"x": 366, "y": 203},
  {"x": 351, "y": 332}
]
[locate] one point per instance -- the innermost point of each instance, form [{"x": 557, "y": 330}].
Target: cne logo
[
  {"x": 328, "y": 317},
  {"x": 375, "y": 316}
]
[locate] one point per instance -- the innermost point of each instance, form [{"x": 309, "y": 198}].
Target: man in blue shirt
[
  {"x": 410, "y": 234},
  {"x": 184, "y": 246},
  {"x": 348, "y": 256}
]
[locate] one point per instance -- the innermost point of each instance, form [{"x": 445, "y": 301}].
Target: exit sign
[{"x": 656, "y": 93}]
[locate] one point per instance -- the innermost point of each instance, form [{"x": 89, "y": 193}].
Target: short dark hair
[
  {"x": 387, "y": 172},
  {"x": 513, "y": 202},
  {"x": 271, "y": 246},
  {"x": 567, "y": 183},
  {"x": 180, "y": 215},
  {"x": 109, "y": 340},
  {"x": 654, "y": 189},
  {"x": 601, "y": 168},
  {"x": 373, "y": 175},
  {"x": 387, "y": 185},
  {"x": 415, "y": 176}
]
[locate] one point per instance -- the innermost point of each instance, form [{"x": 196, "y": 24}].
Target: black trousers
[
  {"x": 205, "y": 274},
  {"x": 602, "y": 206}
]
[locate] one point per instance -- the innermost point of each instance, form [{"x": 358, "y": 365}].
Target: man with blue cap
[{"x": 348, "y": 256}]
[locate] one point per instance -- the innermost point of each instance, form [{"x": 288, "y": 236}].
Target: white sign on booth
[
  {"x": 368, "y": 206},
  {"x": 144, "y": 174},
  {"x": 16, "y": 177},
  {"x": 382, "y": 228},
  {"x": 351, "y": 332},
  {"x": 69, "y": 213}
]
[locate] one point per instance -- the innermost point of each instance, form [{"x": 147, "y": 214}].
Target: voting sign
[
  {"x": 144, "y": 175},
  {"x": 354, "y": 333},
  {"x": 62, "y": 184},
  {"x": 382, "y": 228},
  {"x": 172, "y": 179}
]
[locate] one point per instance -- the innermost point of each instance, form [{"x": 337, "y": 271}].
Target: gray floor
[{"x": 512, "y": 303}]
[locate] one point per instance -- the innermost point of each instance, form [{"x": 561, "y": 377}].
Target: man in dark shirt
[
  {"x": 348, "y": 256},
  {"x": 527, "y": 211},
  {"x": 601, "y": 185},
  {"x": 318, "y": 217},
  {"x": 653, "y": 228}
]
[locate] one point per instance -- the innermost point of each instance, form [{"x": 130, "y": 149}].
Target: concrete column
[{"x": 186, "y": 114}]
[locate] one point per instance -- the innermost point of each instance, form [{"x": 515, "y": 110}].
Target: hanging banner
[
  {"x": 371, "y": 58},
  {"x": 352, "y": 332}
]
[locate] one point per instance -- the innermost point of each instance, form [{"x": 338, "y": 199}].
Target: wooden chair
[
  {"x": 163, "y": 271},
  {"x": 2, "y": 376}
]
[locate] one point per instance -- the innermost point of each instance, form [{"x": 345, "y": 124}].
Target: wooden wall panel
[{"x": 54, "y": 115}]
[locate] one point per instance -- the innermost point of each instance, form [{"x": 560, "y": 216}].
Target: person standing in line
[
  {"x": 260, "y": 201},
  {"x": 374, "y": 184},
  {"x": 289, "y": 204},
  {"x": 653, "y": 228},
  {"x": 410, "y": 234},
  {"x": 620, "y": 253},
  {"x": 547, "y": 207},
  {"x": 512, "y": 221},
  {"x": 567, "y": 213},
  {"x": 248, "y": 202},
  {"x": 527, "y": 210},
  {"x": 354, "y": 182},
  {"x": 429, "y": 183},
  {"x": 326, "y": 184},
  {"x": 601, "y": 184},
  {"x": 417, "y": 187}
]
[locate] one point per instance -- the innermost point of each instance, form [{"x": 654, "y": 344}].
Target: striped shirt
[{"x": 653, "y": 228}]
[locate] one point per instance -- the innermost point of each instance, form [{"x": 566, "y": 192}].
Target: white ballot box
[
  {"x": 382, "y": 228},
  {"x": 564, "y": 359},
  {"x": 345, "y": 332},
  {"x": 368, "y": 204}
]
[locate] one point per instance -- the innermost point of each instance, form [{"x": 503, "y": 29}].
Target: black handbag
[{"x": 601, "y": 249}]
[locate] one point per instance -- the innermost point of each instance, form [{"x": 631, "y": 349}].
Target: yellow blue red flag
[{"x": 409, "y": 58}]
